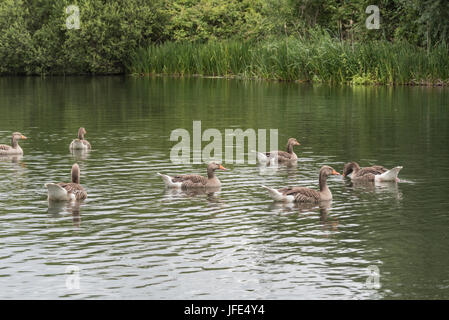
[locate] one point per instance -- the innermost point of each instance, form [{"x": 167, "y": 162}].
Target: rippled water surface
[{"x": 132, "y": 238}]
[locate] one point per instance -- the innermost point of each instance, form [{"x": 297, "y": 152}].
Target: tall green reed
[{"x": 316, "y": 57}]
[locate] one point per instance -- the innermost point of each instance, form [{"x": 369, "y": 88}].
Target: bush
[
  {"x": 34, "y": 38},
  {"x": 16, "y": 45}
]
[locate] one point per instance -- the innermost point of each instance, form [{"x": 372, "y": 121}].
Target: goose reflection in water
[
  {"x": 386, "y": 187},
  {"x": 209, "y": 192},
  {"x": 304, "y": 208},
  {"x": 272, "y": 169},
  {"x": 57, "y": 208},
  {"x": 80, "y": 154},
  {"x": 327, "y": 223},
  {"x": 15, "y": 164},
  {"x": 12, "y": 158},
  {"x": 299, "y": 207}
]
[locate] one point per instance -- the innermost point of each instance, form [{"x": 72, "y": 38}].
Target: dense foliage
[
  {"x": 34, "y": 38},
  {"x": 114, "y": 35}
]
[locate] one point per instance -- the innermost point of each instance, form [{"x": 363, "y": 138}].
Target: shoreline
[
  {"x": 439, "y": 83},
  {"x": 422, "y": 83}
]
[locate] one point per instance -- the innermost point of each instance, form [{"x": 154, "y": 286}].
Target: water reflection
[
  {"x": 14, "y": 164},
  {"x": 143, "y": 241},
  {"x": 326, "y": 222},
  {"x": 267, "y": 170},
  {"x": 57, "y": 208},
  {"x": 273, "y": 168},
  {"x": 209, "y": 192},
  {"x": 322, "y": 207},
  {"x": 80, "y": 154},
  {"x": 386, "y": 187},
  {"x": 12, "y": 159}
]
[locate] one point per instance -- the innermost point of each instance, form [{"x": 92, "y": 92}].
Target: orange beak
[
  {"x": 222, "y": 168},
  {"x": 297, "y": 143},
  {"x": 23, "y": 137},
  {"x": 335, "y": 173}
]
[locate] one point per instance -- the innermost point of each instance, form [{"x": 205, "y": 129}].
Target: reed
[{"x": 316, "y": 57}]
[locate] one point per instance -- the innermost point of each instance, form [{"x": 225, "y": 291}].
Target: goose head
[
  {"x": 350, "y": 167},
  {"x": 292, "y": 142},
  {"x": 75, "y": 173},
  {"x": 81, "y": 133},
  {"x": 17, "y": 136},
  {"x": 326, "y": 171},
  {"x": 212, "y": 166}
]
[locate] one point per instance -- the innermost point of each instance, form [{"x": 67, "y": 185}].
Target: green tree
[{"x": 16, "y": 45}]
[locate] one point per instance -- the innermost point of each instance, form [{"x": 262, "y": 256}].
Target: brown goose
[
  {"x": 14, "y": 148},
  {"x": 279, "y": 156},
  {"x": 80, "y": 143},
  {"x": 187, "y": 181},
  {"x": 67, "y": 191},
  {"x": 302, "y": 194},
  {"x": 373, "y": 173}
]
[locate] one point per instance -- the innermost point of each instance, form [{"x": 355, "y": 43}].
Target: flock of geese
[{"x": 74, "y": 191}]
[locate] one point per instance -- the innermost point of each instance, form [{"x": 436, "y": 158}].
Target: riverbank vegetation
[
  {"x": 317, "y": 58},
  {"x": 292, "y": 40}
]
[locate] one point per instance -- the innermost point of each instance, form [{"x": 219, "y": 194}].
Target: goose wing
[
  {"x": 4, "y": 147},
  {"x": 301, "y": 194},
  {"x": 369, "y": 173},
  {"x": 87, "y": 144},
  {"x": 190, "y": 180},
  {"x": 75, "y": 188},
  {"x": 284, "y": 156},
  {"x": 375, "y": 169},
  {"x": 281, "y": 155}
]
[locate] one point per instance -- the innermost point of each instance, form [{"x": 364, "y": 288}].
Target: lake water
[{"x": 133, "y": 239}]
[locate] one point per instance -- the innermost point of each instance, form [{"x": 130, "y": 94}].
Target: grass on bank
[{"x": 318, "y": 58}]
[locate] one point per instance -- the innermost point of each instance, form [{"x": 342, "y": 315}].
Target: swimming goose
[
  {"x": 302, "y": 194},
  {"x": 373, "y": 173},
  {"x": 14, "y": 149},
  {"x": 67, "y": 191},
  {"x": 187, "y": 181},
  {"x": 80, "y": 143},
  {"x": 279, "y": 156}
]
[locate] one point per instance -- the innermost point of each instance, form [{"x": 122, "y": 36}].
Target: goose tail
[
  {"x": 262, "y": 158},
  {"x": 390, "y": 175},
  {"x": 56, "y": 193},
  {"x": 276, "y": 195},
  {"x": 168, "y": 181}
]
